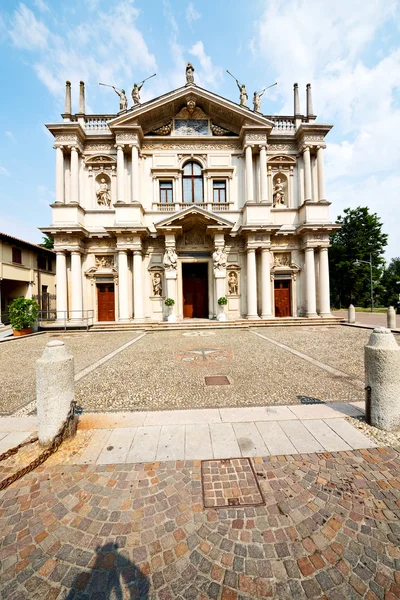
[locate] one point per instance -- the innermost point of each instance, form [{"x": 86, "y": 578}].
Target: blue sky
[{"x": 348, "y": 49}]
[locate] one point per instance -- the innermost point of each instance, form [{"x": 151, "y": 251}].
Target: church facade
[{"x": 192, "y": 197}]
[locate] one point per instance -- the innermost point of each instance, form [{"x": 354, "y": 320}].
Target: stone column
[
  {"x": 135, "y": 173},
  {"x": 123, "y": 285},
  {"x": 137, "y": 285},
  {"x": 266, "y": 309},
  {"x": 120, "y": 174},
  {"x": 68, "y": 104},
  {"x": 61, "y": 284},
  {"x": 249, "y": 174},
  {"x": 251, "y": 284},
  {"x": 76, "y": 286},
  {"x": 263, "y": 174},
  {"x": 324, "y": 297},
  {"x": 311, "y": 307},
  {"x": 321, "y": 173},
  {"x": 59, "y": 175},
  {"x": 0, "y": 302},
  {"x": 307, "y": 173},
  {"x": 74, "y": 197}
]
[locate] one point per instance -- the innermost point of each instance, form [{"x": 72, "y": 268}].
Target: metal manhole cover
[
  {"x": 230, "y": 482},
  {"x": 217, "y": 380}
]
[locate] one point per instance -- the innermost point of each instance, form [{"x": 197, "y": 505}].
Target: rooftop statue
[
  {"x": 189, "y": 73},
  {"x": 257, "y": 100},
  {"x": 136, "y": 90},
  {"x": 242, "y": 89},
  {"x": 123, "y": 100}
]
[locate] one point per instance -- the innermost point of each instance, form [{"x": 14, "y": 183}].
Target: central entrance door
[
  {"x": 195, "y": 290},
  {"x": 282, "y": 298},
  {"x": 105, "y": 302}
]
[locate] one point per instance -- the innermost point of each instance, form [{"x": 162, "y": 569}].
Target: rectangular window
[
  {"x": 166, "y": 194},
  {"x": 42, "y": 263},
  {"x": 50, "y": 265},
  {"x": 17, "y": 256},
  {"x": 219, "y": 191}
]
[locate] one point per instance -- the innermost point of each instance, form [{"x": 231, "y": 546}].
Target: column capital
[
  {"x": 119, "y": 146},
  {"x": 122, "y": 251},
  {"x": 137, "y": 252},
  {"x": 321, "y": 146},
  {"x": 74, "y": 148},
  {"x": 61, "y": 252},
  {"x": 76, "y": 251}
]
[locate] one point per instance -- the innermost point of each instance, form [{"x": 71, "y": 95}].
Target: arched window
[{"x": 192, "y": 183}]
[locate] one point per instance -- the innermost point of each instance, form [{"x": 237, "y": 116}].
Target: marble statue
[
  {"x": 189, "y": 73},
  {"x": 233, "y": 283},
  {"x": 170, "y": 260},
  {"x": 123, "y": 100},
  {"x": 219, "y": 258},
  {"x": 157, "y": 284},
  {"x": 136, "y": 92},
  {"x": 243, "y": 94},
  {"x": 279, "y": 193},
  {"x": 103, "y": 194},
  {"x": 257, "y": 100}
]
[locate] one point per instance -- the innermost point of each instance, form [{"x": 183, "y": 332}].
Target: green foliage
[
  {"x": 222, "y": 301},
  {"x": 169, "y": 302},
  {"x": 391, "y": 289},
  {"x": 22, "y": 313},
  {"x": 48, "y": 242},
  {"x": 359, "y": 238}
]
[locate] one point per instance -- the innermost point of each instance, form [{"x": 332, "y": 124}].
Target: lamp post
[{"x": 368, "y": 262}]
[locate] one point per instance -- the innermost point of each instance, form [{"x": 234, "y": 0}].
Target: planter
[
  {"x": 24, "y": 331},
  {"x": 171, "y": 317},
  {"x": 221, "y": 313}
]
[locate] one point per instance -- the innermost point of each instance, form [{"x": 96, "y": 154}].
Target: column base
[
  {"x": 267, "y": 317},
  {"x": 127, "y": 320},
  {"x": 252, "y": 317},
  {"x": 326, "y": 315},
  {"x": 311, "y": 315},
  {"x": 139, "y": 319}
]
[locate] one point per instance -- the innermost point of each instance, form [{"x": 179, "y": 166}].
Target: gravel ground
[
  {"x": 17, "y": 360},
  {"x": 384, "y": 438},
  {"x": 337, "y": 346},
  {"x": 151, "y": 376}
]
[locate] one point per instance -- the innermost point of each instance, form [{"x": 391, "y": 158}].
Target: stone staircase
[{"x": 190, "y": 324}]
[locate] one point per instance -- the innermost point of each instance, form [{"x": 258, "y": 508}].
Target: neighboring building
[
  {"x": 194, "y": 197},
  {"x": 27, "y": 271}
]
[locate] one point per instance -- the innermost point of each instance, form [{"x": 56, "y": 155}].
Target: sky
[{"x": 349, "y": 50}]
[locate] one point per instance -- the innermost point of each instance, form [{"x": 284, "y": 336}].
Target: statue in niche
[
  {"x": 279, "y": 193},
  {"x": 157, "y": 284},
  {"x": 123, "y": 100},
  {"x": 170, "y": 260},
  {"x": 219, "y": 258},
  {"x": 103, "y": 193},
  {"x": 189, "y": 73},
  {"x": 257, "y": 100},
  {"x": 233, "y": 284}
]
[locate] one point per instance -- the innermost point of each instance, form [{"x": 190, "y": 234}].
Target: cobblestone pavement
[
  {"x": 17, "y": 360},
  {"x": 329, "y": 529},
  {"x": 167, "y": 370}
]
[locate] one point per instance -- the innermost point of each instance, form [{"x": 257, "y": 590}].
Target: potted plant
[
  {"x": 170, "y": 303},
  {"x": 221, "y": 303},
  {"x": 22, "y": 313}
]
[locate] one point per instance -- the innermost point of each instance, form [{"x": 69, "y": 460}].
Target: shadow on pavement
[{"x": 111, "y": 576}]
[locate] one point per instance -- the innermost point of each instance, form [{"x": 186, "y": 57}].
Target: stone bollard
[
  {"x": 391, "y": 318},
  {"x": 351, "y": 318},
  {"x": 382, "y": 380},
  {"x": 54, "y": 390}
]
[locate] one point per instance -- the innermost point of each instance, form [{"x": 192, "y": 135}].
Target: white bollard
[
  {"x": 391, "y": 318},
  {"x": 382, "y": 380},
  {"x": 54, "y": 390},
  {"x": 351, "y": 314}
]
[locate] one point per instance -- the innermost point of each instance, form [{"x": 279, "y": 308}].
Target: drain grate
[
  {"x": 217, "y": 380},
  {"x": 230, "y": 482}
]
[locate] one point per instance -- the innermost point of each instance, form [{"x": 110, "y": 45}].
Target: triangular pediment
[
  {"x": 191, "y": 215},
  {"x": 225, "y": 117}
]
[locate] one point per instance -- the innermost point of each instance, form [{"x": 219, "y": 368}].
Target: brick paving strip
[{"x": 329, "y": 530}]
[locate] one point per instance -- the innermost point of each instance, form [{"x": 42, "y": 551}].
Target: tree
[
  {"x": 391, "y": 283},
  {"x": 48, "y": 242},
  {"x": 360, "y": 237}
]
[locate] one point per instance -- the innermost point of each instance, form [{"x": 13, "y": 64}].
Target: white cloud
[
  {"x": 209, "y": 74},
  {"x": 11, "y": 137},
  {"x": 192, "y": 14},
  {"x": 42, "y": 6},
  {"x": 3, "y": 171},
  {"x": 26, "y": 31}
]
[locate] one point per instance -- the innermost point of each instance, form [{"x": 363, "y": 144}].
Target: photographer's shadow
[{"x": 110, "y": 578}]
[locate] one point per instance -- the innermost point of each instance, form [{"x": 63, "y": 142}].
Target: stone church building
[{"x": 193, "y": 197}]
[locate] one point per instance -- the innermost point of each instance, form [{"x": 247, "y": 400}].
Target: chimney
[
  {"x": 310, "y": 112},
  {"x": 67, "y": 107},
  {"x": 81, "y": 110},
  {"x": 297, "y": 117}
]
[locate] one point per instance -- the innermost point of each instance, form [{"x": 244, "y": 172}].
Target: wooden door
[
  {"x": 195, "y": 291},
  {"x": 105, "y": 302},
  {"x": 282, "y": 299}
]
